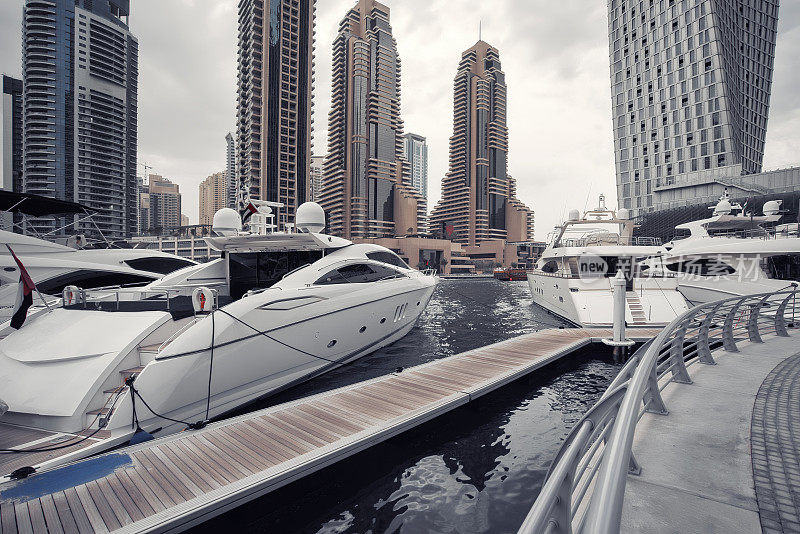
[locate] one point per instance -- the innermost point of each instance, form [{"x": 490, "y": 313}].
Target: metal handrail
[{"x": 585, "y": 486}]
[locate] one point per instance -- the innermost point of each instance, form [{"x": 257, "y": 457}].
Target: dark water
[{"x": 475, "y": 469}]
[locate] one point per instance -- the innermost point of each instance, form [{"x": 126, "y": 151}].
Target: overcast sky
[{"x": 554, "y": 54}]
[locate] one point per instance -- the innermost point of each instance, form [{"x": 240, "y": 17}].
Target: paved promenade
[
  {"x": 698, "y": 473},
  {"x": 775, "y": 439}
]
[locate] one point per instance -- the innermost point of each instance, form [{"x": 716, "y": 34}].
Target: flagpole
[{"x": 49, "y": 309}]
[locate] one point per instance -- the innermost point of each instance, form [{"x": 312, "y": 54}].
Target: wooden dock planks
[{"x": 181, "y": 480}]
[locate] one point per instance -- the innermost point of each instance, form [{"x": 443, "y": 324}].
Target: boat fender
[
  {"x": 202, "y": 300},
  {"x": 71, "y": 295}
]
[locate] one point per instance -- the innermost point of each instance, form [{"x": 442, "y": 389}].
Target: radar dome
[
  {"x": 773, "y": 207},
  {"x": 723, "y": 207},
  {"x": 623, "y": 214},
  {"x": 310, "y": 217},
  {"x": 574, "y": 215},
  {"x": 226, "y": 222}
]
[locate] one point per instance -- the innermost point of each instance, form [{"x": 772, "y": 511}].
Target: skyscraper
[
  {"x": 690, "y": 87},
  {"x": 478, "y": 196},
  {"x": 213, "y": 196},
  {"x": 317, "y": 163},
  {"x": 415, "y": 150},
  {"x": 80, "y": 71},
  {"x": 10, "y": 141},
  {"x": 273, "y": 118},
  {"x": 165, "y": 203},
  {"x": 230, "y": 171},
  {"x": 366, "y": 189},
  {"x": 144, "y": 206}
]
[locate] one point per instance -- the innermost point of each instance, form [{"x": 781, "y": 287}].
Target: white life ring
[{"x": 203, "y": 300}]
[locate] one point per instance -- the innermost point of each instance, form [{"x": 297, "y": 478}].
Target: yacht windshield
[{"x": 252, "y": 270}]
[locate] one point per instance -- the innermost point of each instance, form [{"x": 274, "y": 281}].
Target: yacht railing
[
  {"x": 640, "y": 275},
  {"x": 609, "y": 240},
  {"x": 755, "y": 233},
  {"x": 585, "y": 486}
]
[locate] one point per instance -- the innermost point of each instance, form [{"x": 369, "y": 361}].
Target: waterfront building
[
  {"x": 415, "y": 150},
  {"x": 10, "y": 141},
  {"x": 80, "y": 73},
  {"x": 230, "y": 171},
  {"x": 478, "y": 195},
  {"x": 690, "y": 88},
  {"x": 366, "y": 190},
  {"x": 274, "y": 105},
  {"x": 213, "y": 196},
  {"x": 143, "y": 205},
  {"x": 317, "y": 163},
  {"x": 165, "y": 204}
]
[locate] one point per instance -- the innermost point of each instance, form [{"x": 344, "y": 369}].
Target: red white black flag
[
  {"x": 24, "y": 294},
  {"x": 249, "y": 211}
]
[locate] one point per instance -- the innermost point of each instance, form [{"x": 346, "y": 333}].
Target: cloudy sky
[{"x": 555, "y": 55}]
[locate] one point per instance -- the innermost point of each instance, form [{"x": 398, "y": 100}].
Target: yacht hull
[
  {"x": 589, "y": 302},
  {"x": 262, "y": 344}
]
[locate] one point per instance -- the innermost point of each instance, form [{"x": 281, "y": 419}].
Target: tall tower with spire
[
  {"x": 478, "y": 196},
  {"x": 367, "y": 189}
]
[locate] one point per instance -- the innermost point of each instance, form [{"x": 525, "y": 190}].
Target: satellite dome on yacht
[
  {"x": 226, "y": 222},
  {"x": 723, "y": 207},
  {"x": 772, "y": 207},
  {"x": 310, "y": 217}
]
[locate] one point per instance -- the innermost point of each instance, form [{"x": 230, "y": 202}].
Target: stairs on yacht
[{"x": 636, "y": 308}]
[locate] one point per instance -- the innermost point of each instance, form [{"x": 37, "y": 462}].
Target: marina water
[{"x": 476, "y": 469}]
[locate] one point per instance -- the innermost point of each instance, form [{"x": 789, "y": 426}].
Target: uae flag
[
  {"x": 24, "y": 294},
  {"x": 249, "y": 211}
]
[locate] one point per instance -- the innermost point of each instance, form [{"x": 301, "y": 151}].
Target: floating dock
[{"x": 179, "y": 481}]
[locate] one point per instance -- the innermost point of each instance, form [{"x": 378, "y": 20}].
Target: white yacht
[
  {"x": 573, "y": 278},
  {"x": 53, "y": 267},
  {"x": 274, "y": 310},
  {"x": 732, "y": 253}
]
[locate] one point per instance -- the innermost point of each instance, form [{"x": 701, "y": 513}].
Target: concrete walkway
[{"x": 697, "y": 469}]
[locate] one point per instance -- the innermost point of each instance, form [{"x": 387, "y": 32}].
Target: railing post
[
  {"x": 780, "y": 320},
  {"x": 728, "y": 343},
  {"x": 752, "y": 321},
  {"x": 679, "y": 372},
  {"x": 561, "y": 514},
  {"x": 652, "y": 397},
  {"x": 703, "y": 343},
  {"x": 634, "y": 468}
]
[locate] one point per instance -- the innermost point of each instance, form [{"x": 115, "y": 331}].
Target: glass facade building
[
  {"x": 80, "y": 72},
  {"x": 230, "y": 170},
  {"x": 367, "y": 188},
  {"x": 478, "y": 196},
  {"x": 415, "y": 150},
  {"x": 274, "y": 106},
  {"x": 690, "y": 88},
  {"x": 10, "y": 143}
]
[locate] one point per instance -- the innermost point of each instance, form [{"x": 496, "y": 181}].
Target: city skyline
[{"x": 556, "y": 81}]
